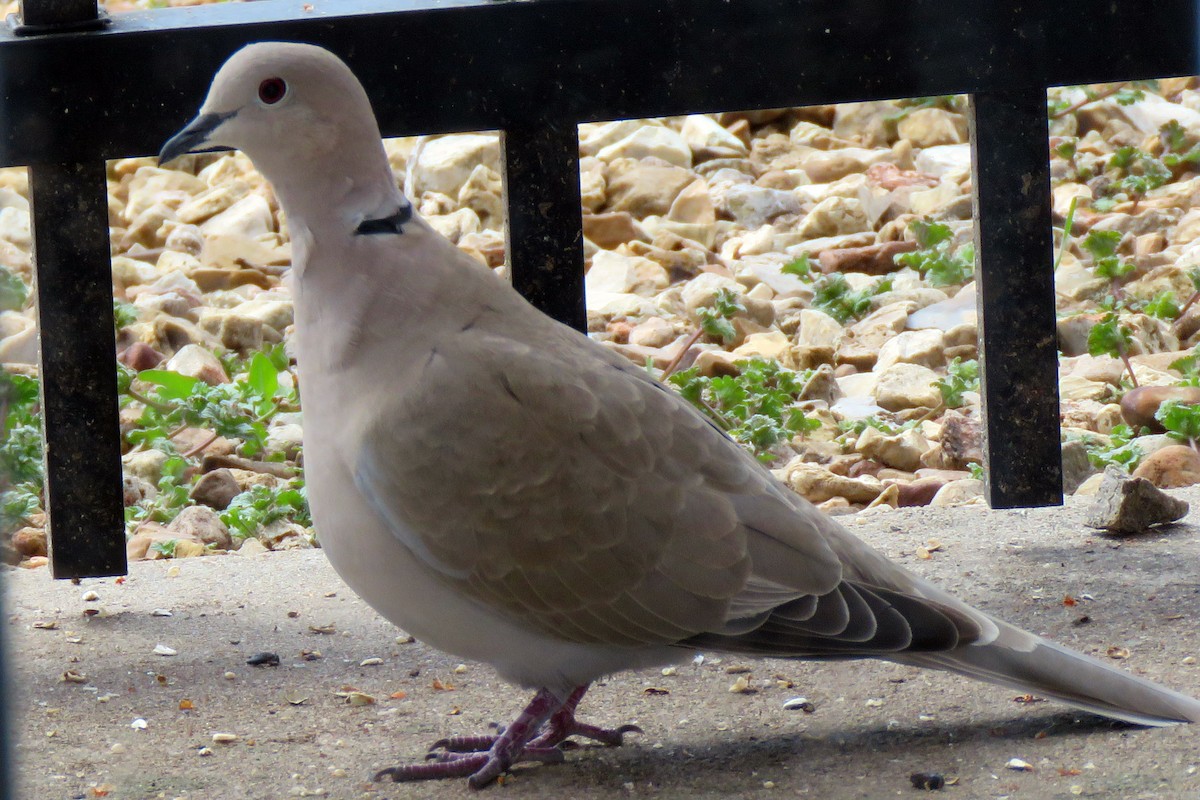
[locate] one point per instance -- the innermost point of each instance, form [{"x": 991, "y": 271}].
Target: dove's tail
[{"x": 1026, "y": 662}]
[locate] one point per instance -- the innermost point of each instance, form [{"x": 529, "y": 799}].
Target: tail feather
[{"x": 1019, "y": 660}]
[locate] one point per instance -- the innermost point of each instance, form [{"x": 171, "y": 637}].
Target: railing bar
[
  {"x": 69, "y": 215},
  {"x": 545, "y": 222},
  {"x": 1017, "y": 340}
]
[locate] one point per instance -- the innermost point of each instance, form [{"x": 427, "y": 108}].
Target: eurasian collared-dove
[{"x": 508, "y": 491}]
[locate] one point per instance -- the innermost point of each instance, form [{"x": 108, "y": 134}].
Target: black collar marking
[{"x": 386, "y": 224}]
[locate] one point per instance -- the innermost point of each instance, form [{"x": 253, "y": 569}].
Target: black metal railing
[{"x": 76, "y": 92}]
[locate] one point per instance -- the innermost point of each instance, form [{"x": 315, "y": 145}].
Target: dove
[{"x": 511, "y": 492}]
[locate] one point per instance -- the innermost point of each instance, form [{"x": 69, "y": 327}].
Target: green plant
[
  {"x": 1163, "y": 306},
  {"x": 1125, "y": 94},
  {"x": 1189, "y": 369},
  {"x": 832, "y": 294},
  {"x": 236, "y": 410},
  {"x": 21, "y": 452},
  {"x": 1181, "y": 148},
  {"x": 13, "y": 291},
  {"x": 1134, "y": 172},
  {"x": 857, "y": 426},
  {"x": 1110, "y": 337},
  {"x": 124, "y": 314},
  {"x": 934, "y": 259},
  {"x": 165, "y": 547},
  {"x": 1102, "y": 246},
  {"x": 171, "y": 497},
  {"x": 1120, "y": 449},
  {"x": 800, "y": 266},
  {"x": 758, "y": 407},
  {"x": 1182, "y": 421},
  {"x": 1068, "y": 226},
  {"x": 260, "y": 505},
  {"x": 715, "y": 319},
  {"x": 961, "y": 376}
]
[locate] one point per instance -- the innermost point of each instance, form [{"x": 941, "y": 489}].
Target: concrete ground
[{"x": 873, "y": 724}]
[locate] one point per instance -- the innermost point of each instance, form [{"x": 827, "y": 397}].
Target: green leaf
[
  {"x": 1109, "y": 337},
  {"x": 1163, "y": 306},
  {"x": 263, "y": 376},
  {"x": 13, "y": 291},
  {"x": 931, "y": 234},
  {"x": 171, "y": 385},
  {"x": 1120, "y": 449},
  {"x": 124, "y": 314},
  {"x": 165, "y": 547},
  {"x": 1181, "y": 420},
  {"x": 961, "y": 377},
  {"x": 800, "y": 266},
  {"x": 1101, "y": 244}
]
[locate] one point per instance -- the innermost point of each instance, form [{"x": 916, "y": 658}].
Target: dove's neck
[{"x": 331, "y": 185}]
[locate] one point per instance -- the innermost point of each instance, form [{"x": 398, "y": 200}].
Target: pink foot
[{"x": 539, "y": 734}]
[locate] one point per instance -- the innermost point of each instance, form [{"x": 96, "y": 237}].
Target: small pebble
[
  {"x": 370, "y": 662},
  {"x": 90, "y": 597},
  {"x": 139, "y": 724},
  {"x": 799, "y": 704},
  {"x": 163, "y": 650},
  {"x": 1189, "y": 660},
  {"x": 229, "y": 676},
  {"x": 460, "y": 669},
  {"x": 263, "y": 660},
  {"x": 224, "y": 738},
  {"x": 204, "y": 751},
  {"x": 161, "y": 612},
  {"x": 117, "y": 749},
  {"x": 1019, "y": 765}
]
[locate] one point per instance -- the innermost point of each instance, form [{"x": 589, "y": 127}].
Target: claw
[{"x": 539, "y": 734}]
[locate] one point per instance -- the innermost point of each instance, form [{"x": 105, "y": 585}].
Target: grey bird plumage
[{"x": 509, "y": 491}]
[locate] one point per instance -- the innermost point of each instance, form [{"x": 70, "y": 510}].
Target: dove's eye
[{"x": 272, "y": 90}]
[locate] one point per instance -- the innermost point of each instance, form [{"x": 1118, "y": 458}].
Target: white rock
[
  {"x": 947, "y": 314},
  {"x": 903, "y": 386},
  {"x": 943, "y": 159},
  {"x": 444, "y": 164},
  {"x": 457, "y": 224},
  {"x": 966, "y": 491},
  {"x": 901, "y": 450},
  {"x": 279, "y": 314},
  {"x": 195, "y": 361},
  {"x": 818, "y": 329},
  {"x": 145, "y": 464},
  {"x": 650, "y": 140},
  {"x": 594, "y": 136},
  {"x": 14, "y": 226},
  {"x": 708, "y": 138},
  {"x": 924, "y": 347},
  {"x": 249, "y": 217},
  {"x": 834, "y": 216},
  {"x": 701, "y": 291},
  {"x": 18, "y": 338},
  {"x": 930, "y": 127},
  {"x": 614, "y": 273}
]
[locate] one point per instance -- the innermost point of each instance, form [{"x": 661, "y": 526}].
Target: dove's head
[{"x": 304, "y": 120}]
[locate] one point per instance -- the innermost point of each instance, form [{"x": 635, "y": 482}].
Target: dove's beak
[{"x": 194, "y": 138}]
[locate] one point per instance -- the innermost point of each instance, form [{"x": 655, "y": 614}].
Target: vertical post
[
  {"x": 1018, "y": 348},
  {"x": 54, "y": 13},
  {"x": 69, "y": 209},
  {"x": 545, "y": 219}
]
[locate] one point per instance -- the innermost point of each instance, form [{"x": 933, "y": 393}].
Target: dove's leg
[
  {"x": 563, "y": 725},
  {"x": 484, "y": 766}
]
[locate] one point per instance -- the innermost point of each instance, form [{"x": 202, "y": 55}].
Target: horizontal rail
[{"x": 435, "y": 66}]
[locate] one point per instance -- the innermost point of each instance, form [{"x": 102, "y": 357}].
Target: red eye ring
[{"x": 272, "y": 90}]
